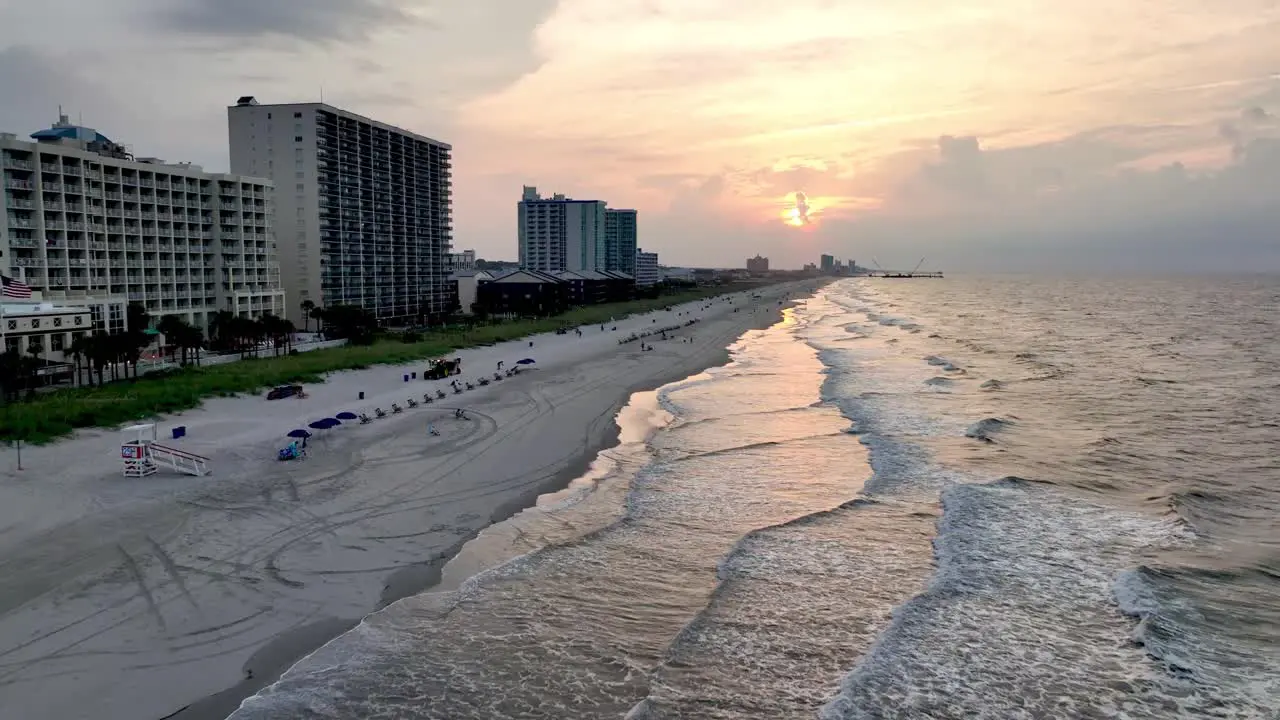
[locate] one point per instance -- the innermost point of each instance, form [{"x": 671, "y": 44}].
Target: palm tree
[
  {"x": 173, "y": 327},
  {"x": 77, "y": 351},
  {"x": 307, "y": 306},
  {"x": 220, "y": 326},
  {"x": 318, "y": 314},
  {"x": 191, "y": 339}
]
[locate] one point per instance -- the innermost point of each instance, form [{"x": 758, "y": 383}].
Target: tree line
[{"x": 102, "y": 357}]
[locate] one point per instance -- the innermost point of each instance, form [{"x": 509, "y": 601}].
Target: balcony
[{"x": 18, "y": 184}]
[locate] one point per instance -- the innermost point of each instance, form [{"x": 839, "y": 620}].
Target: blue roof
[{"x": 74, "y": 132}]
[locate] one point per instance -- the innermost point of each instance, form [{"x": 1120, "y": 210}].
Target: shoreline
[
  {"x": 582, "y": 393},
  {"x": 275, "y": 658}
]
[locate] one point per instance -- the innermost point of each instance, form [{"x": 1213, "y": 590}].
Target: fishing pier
[{"x": 914, "y": 272}]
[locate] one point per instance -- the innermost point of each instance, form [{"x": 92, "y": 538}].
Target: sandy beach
[{"x": 177, "y": 596}]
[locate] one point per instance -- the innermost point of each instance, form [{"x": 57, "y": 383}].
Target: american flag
[{"x": 14, "y": 288}]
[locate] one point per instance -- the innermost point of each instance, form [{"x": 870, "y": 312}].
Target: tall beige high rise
[{"x": 363, "y": 208}]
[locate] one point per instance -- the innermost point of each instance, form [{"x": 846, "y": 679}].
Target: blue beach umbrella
[
  {"x": 320, "y": 424},
  {"x": 299, "y": 433},
  {"x": 346, "y": 416}
]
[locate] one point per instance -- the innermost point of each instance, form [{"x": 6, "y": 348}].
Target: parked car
[{"x": 285, "y": 391}]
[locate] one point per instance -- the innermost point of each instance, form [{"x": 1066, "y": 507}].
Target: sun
[{"x": 797, "y": 211}]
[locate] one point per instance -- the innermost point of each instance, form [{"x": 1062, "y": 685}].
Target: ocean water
[{"x": 961, "y": 498}]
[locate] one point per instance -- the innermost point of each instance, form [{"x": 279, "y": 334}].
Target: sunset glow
[{"x": 933, "y": 122}]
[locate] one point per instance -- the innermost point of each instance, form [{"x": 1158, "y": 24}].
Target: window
[
  {"x": 297, "y": 114},
  {"x": 35, "y": 323},
  {"x": 57, "y": 342},
  {"x": 57, "y": 322},
  {"x": 268, "y": 116},
  {"x": 297, "y": 138}
]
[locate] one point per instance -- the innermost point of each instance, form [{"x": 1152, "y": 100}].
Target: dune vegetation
[{"x": 48, "y": 416}]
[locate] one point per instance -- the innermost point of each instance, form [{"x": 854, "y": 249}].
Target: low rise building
[
  {"x": 467, "y": 286},
  {"x": 465, "y": 260},
  {"x": 524, "y": 293},
  {"x": 646, "y": 268}
]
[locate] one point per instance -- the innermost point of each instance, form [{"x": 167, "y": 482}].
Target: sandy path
[{"x": 136, "y": 598}]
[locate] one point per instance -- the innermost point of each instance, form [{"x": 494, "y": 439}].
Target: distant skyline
[{"x": 996, "y": 134}]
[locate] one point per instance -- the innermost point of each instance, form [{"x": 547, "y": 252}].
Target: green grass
[{"x": 52, "y": 415}]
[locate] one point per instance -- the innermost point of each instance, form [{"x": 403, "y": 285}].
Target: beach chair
[
  {"x": 440, "y": 394},
  {"x": 426, "y": 398},
  {"x": 379, "y": 412},
  {"x": 365, "y": 419},
  {"x": 396, "y": 408},
  {"x": 412, "y": 403},
  {"x": 470, "y": 386},
  {"x": 497, "y": 376},
  {"x": 483, "y": 381}
]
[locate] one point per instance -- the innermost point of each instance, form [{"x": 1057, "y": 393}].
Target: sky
[{"x": 1019, "y": 135}]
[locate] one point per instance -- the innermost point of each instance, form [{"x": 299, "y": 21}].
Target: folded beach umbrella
[
  {"x": 347, "y": 416},
  {"x": 299, "y": 433},
  {"x": 526, "y": 361}
]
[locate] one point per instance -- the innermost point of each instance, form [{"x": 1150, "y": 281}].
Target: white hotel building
[
  {"x": 559, "y": 233},
  {"x": 363, "y": 209},
  {"x": 85, "y": 223}
]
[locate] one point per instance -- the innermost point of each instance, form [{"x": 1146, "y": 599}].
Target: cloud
[
  {"x": 313, "y": 21},
  {"x": 44, "y": 82}
]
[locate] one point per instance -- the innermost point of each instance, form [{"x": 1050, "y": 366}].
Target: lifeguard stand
[{"x": 136, "y": 452}]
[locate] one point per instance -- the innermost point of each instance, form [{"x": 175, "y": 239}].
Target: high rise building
[
  {"x": 758, "y": 264},
  {"x": 646, "y": 268},
  {"x": 828, "y": 263},
  {"x": 559, "y": 233},
  {"x": 85, "y": 222},
  {"x": 363, "y": 208},
  {"x": 620, "y": 240}
]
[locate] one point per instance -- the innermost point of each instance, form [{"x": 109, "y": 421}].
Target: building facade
[
  {"x": 646, "y": 268},
  {"x": 466, "y": 284},
  {"x": 529, "y": 293},
  {"x": 465, "y": 260},
  {"x": 559, "y": 233},
  {"x": 364, "y": 209},
  {"x": 84, "y": 222},
  {"x": 620, "y": 240},
  {"x": 49, "y": 328},
  {"x": 758, "y": 264}
]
